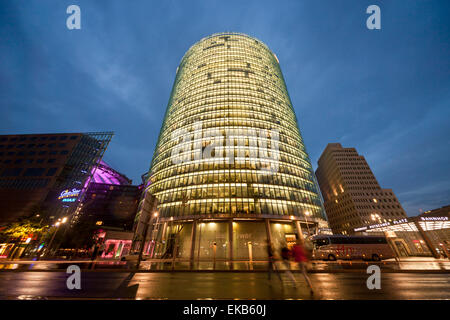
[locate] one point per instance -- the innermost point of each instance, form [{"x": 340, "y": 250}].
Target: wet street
[
  {"x": 412, "y": 263},
  {"x": 220, "y": 285}
]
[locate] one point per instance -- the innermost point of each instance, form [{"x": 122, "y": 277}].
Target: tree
[{"x": 22, "y": 229}]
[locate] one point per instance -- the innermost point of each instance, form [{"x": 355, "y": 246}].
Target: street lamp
[
  {"x": 306, "y": 214},
  {"x": 57, "y": 225}
]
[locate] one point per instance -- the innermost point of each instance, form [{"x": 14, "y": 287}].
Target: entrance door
[{"x": 401, "y": 248}]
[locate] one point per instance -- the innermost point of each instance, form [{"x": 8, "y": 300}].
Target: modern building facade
[
  {"x": 352, "y": 195},
  {"x": 45, "y": 176},
  {"x": 110, "y": 200},
  {"x": 110, "y": 205},
  {"x": 46, "y": 172},
  {"x": 230, "y": 170}
]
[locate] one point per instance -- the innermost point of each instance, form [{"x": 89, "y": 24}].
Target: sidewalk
[{"x": 409, "y": 264}]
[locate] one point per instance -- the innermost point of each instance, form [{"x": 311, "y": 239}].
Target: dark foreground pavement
[{"x": 229, "y": 285}]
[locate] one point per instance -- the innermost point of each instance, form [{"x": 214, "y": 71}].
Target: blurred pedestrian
[
  {"x": 301, "y": 257},
  {"x": 272, "y": 262},
  {"x": 286, "y": 256},
  {"x": 94, "y": 251},
  {"x": 102, "y": 248}
]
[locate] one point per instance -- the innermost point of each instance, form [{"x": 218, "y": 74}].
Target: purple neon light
[{"x": 105, "y": 174}]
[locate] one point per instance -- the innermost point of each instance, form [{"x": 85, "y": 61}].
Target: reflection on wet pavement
[
  {"x": 169, "y": 265},
  {"x": 229, "y": 285}
]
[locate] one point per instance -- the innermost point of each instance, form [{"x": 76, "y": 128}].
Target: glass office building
[
  {"x": 230, "y": 170},
  {"x": 41, "y": 171}
]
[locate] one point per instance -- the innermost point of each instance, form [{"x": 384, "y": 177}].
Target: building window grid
[{"x": 256, "y": 89}]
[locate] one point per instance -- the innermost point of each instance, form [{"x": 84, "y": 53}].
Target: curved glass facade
[
  {"x": 230, "y": 146},
  {"x": 230, "y": 87}
]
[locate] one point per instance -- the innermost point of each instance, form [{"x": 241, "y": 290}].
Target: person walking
[
  {"x": 286, "y": 256},
  {"x": 102, "y": 248},
  {"x": 301, "y": 257},
  {"x": 272, "y": 262},
  {"x": 95, "y": 248}
]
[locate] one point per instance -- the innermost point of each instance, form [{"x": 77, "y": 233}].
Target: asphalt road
[
  {"x": 332, "y": 266},
  {"x": 229, "y": 285}
]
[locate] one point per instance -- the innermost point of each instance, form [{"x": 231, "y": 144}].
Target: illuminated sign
[
  {"x": 69, "y": 195},
  {"x": 360, "y": 229},
  {"x": 434, "y": 218},
  {"x": 379, "y": 225}
]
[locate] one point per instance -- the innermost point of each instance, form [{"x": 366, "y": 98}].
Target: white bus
[{"x": 333, "y": 247}]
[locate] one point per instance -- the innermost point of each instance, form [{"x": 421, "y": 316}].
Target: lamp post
[
  {"x": 144, "y": 238},
  {"x": 155, "y": 215},
  {"x": 57, "y": 225},
  {"x": 306, "y": 214}
]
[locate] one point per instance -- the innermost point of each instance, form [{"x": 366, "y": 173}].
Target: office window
[
  {"x": 34, "y": 172},
  {"x": 11, "y": 172},
  {"x": 51, "y": 172}
]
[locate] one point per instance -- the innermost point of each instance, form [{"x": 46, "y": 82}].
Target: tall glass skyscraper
[{"x": 230, "y": 170}]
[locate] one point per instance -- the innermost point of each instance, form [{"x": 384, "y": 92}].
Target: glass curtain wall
[{"x": 230, "y": 146}]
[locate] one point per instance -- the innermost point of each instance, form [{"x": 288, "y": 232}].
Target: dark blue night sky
[{"x": 385, "y": 92}]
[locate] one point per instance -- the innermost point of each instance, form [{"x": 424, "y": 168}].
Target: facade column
[
  {"x": 230, "y": 242},
  {"x": 427, "y": 240},
  {"x": 163, "y": 236},
  {"x": 299, "y": 230},
  {"x": 193, "y": 233},
  {"x": 269, "y": 233}
]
